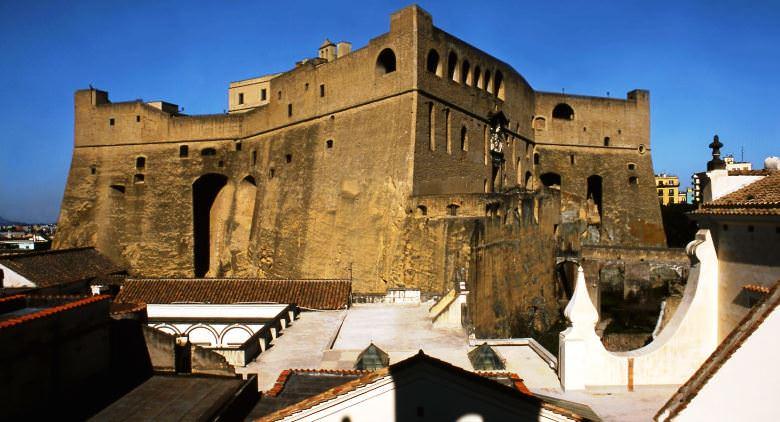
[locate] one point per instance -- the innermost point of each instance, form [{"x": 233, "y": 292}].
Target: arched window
[
  {"x": 499, "y": 85},
  {"x": 550, "y": 179},
  {"x": 235, "y": 336},
  {"x": 563, "y": 111},
  {"x": 633, "y": 180},
  {"x": 464, "y": 72},
  {"x": 606, "y": 141},
  {"x": 433, "y": 64},
  {"x": 540, "y": 123},
  {"x": 422, "y": 210},
  {"x": 488, "y": 82},
  {"x": 464, "y": 139},
  {"x": 528, "y": 180},
  {"x": 202, "y": 336},
  {"x": 452, "y": 66},
  {"x": 208, "y": 152},
  {"x": 385, "y": 62},
  {"x": 140, "y": 162},
  {"x": 138, "y": 178},
  {"x": 452, "y": 210},
  {"x": 477, "y": 78},
  {"x": 631, "y": 166},
  {"x": 536, "y": 158}
]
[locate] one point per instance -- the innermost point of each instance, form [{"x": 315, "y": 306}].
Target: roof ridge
[
  {"x": 51, "y": 311},
  {"x": 47, "y": 252}
]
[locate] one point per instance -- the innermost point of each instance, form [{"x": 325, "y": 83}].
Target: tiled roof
[
  {"x": 308, "y": 294},
  {"x": 761, "y": 172},
  {"x": 373, "y": 376},
  {"x": 761, "y": 197},
  {"x": 51, "y": 311},
  {"x": 756, "y": 288},
  {"x": 61, "y": 266},
  {"x": 721, "y": 355}
]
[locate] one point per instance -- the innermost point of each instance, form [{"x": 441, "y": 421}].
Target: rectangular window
[
  {"x": 279, "y": 95},
  {"x": 431, "y": 127},
  {"x": 254, "y": 157},
  {"x": 289, "y": 110},
  {"x": 137, "y": 119},
  {"x": 447, "y": 130},
  {"x": 241, "y": 98},
  {"x": 671, "y": 192},
  {"x": 322, "y": 90},
  {"x": 184, "y": 151},
  {"x": 263, "y": 94},
  {"x": 111, "y": 121}
]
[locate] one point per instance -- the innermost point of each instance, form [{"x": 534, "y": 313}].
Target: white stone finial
[{"x": 580, "y": 310}]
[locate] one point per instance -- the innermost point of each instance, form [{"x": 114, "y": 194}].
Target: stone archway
[{"x": 205, "y": 192}]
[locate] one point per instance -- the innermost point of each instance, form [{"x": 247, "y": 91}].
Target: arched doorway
[{"x": 204, "y": 193}]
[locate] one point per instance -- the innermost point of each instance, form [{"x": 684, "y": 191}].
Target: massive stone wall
[{"x": 330, "y": 178}]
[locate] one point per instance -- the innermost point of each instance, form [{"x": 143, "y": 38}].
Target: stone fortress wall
[{"x": 374, "y": 164}]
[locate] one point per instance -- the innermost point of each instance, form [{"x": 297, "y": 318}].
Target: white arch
[
  {"x": 168, "y": 329},
  {"x": 235, "y": 334},
  {"x": 203, "y": 335}
]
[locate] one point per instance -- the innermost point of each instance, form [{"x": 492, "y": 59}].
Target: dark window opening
[
  {"x": 329, "y": 144},
  {"x": 464, "y": 139},
  {"x": 385, "y": 63},
  {"x": 306, "y": 86},
  {"x": 118, "y": 188},
  {"x": 563, "y": 111},
  {"x": 238, "y": 146},
  {"x": 279, "y": 95},
  {"x": 631, "y": 166},
  {"x": 606, "y": 141},
  {"x": 725, "y": 227},
  {"x": 571, "y": 159},
  {"x": 271, "y": 173},
  {"x": 289, "y": 110},
  {"x": 452, "y": 65},
  {"x": 464, "y": 72},
  {"x": 322, "y": 90},
  {"x": 254, "y": 157},
  {"x": 422, "y": 210},
  {"x": 433, "y": 62},
  {"x": 204, "y": 193},
  {"x": 641, "y": 149},
  {"x": 138, "y": 178},
  {"x": 221, "y": 163},
  {"x": 137, "y": 118},
  {"x": 241, "y": 98},
  {"x": 111, "y": 121},
  {"x": 140, "y": 162},
  {"x": 536, "y": 158},
  {"x": 184, "y": 151},
  {"x": 263, "y": 94},
  {"x": 477, "y": 78},
  {"x": 452, "y": 210},
  {"x": 528, "y": 180},
  {"x": 208, "y": 152},
  {"x": 633, "y": 180},
  {"x": 488, "y": 87},
  {"x": 93, "y": 169},
  {"x": 751, "y": 229},
  {"x": 595, "y": 191},
  {"x": 499, "y": 83},
  {"x": 550, "y": 179},
  {"x": 288, "y": 158}
]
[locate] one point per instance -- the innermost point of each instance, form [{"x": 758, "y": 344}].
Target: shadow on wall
[{"x": 679, "y": 229}]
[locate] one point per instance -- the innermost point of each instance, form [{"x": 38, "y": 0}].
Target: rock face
[{"x": 392, "y": 169}]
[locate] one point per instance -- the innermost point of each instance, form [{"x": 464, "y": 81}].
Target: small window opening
[
  {"x": 606, "y": 141},
  {"x": 306, "y": 86},
  {"x": 571, "y": 159},
  {"x": 279, "y": 95},
  {"x": 550, "y": 179},
  {"x": 241, "y": 98},
  {"x": 322, "y": 90},
  {"x": 289, "y": 110},
  {"x": 111, "y": 121},
  {"x": 137, "y": 118},
  {"x": 452, "y": 65},
  {"x": 208, "y": 152},
  {"x": 432, "y": 64},
  {"x": 254, "y": 158},
  {"x": 563, "y": 111},
  {"x": 263, "y": 94},
  {"x": 93, "y": 169},
  {"x": 452, "y": 210},
  {"x": 536, "y": 158},
  {"x": 329, "y": 144},
  {"x": 641, "y": 149},
  {"x": 221, "y": 163},
  {"x": 631, "y": 166},
  {"x": 288, "y": 158},
  {"x": 138, "y": 178},
  {"x": 385, "y": 62},
  {"x": 238, "y": 146},
  {"x": 464, "y": 72},
  {"x": 422, "y": 210},
  {"x": 140, "y": 162},
  {"x": 184, "y": 151},
  {"x": 271, "y": 173},
  {"x": 633, "y": 180},
  {"x": 464, "y": 139},
  {"x": 118, "y": 188}
]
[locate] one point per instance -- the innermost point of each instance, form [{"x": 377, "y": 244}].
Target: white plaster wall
[
  {"x": 198, "y": 310},
  {"x": 746, "y": 387},
  {"x": 722, "y": 184},
  {"x": 13, "y": 279},
  {"x": 451, "y": 317}
]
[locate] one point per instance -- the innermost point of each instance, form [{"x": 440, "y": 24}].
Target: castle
[{"x": 417, "y": 161}]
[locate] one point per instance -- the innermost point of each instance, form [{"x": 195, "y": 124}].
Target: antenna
[{"x": 742, "y": 153}]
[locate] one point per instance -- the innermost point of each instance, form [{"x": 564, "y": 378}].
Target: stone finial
[
  {"x": 580, "y": 310},
  {"x": 716, "y": 163}
]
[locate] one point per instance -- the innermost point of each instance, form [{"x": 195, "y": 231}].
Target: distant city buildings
[{"x": 668, "y": 188}]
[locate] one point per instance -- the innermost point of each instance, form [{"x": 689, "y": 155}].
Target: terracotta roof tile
[
  {"x": 761, "y": 197},
  {"x": 51, "y": 311},
  {"x": 61, "y": 266},
  {"x": 309, "y": 294},
  {"x": 721, "y": 355}
]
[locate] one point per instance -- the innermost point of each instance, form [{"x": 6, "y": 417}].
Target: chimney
[{"x": 344, "y": 48}]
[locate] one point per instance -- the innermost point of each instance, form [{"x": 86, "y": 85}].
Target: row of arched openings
[
  {"x": 206, "y": 335},
  {"x": 463, "y": 72}
]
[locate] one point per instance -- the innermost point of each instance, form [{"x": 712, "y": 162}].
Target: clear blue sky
[{"x": 711, "y": 66}]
